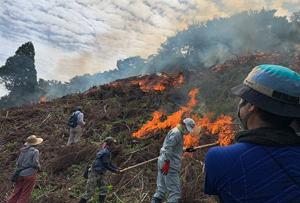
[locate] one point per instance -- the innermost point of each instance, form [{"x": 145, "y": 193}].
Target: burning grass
[{"x": 138, "y": 112}]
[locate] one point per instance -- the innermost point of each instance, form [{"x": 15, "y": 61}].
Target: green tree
[{"x": 19, "y": 75}]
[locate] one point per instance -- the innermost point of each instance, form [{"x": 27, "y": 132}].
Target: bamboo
[
  {"x": 206, "y": 145},
  {"x": 140, "y": 164},
  {"x": 145, "y": 162}
]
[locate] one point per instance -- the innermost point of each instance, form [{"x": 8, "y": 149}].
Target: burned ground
[{"x": 119, "y": 110}]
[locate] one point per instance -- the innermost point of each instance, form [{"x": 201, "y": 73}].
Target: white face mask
[{"x": 185, "y": 132}]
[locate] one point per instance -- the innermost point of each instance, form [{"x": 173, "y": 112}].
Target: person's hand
[
  {"x": 40, "y": 169},
  {"x": 190, "y": 149},
  {"x": 165, "y": 168},
  {"x": 118, "y": 171}
]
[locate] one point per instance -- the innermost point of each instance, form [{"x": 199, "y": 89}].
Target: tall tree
[{"x": 19, "y": 75}]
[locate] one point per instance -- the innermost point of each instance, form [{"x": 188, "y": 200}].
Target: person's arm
[
  {"x": 171, "y": 142},
  {"x": 113, "y": 166},
  {"x": 108, "y": 167},
  {"x": 18, "y": 164},
  {"x": 35, "y": 160},
  {"x": 107, "y": 164},
  {"x": 211, "y": 175},
  {"x": 80, "y": 119}
]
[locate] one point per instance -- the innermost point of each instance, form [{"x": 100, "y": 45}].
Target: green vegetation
[
  {"x": 10, "y": 145},
  {"x": 33, "y": 127}
]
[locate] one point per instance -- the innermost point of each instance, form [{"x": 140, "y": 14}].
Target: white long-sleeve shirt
[{"x": 79, "y": 117}]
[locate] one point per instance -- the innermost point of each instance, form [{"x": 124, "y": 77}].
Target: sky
[{"x": 74, "y": 37}]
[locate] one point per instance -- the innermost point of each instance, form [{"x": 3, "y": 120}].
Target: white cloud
[
  {"x": 3, "y": 91},
  {"x": 87, "y": 36}
]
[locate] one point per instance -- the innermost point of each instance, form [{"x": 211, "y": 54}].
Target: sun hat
[
  {"x": 33, "y": 140},
  {"x": 190, "y": 124},
  {"x": 273, "y": 88},
  {"x": 110, "y": 140}
]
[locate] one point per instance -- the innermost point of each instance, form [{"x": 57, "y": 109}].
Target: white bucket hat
[{"x": 33, "y": 140}]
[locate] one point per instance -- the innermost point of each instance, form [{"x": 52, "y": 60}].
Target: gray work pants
[{"x": 169, "y": 183}]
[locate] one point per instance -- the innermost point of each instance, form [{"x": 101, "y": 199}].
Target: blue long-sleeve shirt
[
  {"x": 29, "y": 159},
  {"x": 103, "y": 161}
]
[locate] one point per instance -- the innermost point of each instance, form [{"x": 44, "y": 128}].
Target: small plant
[
  {"x": 57, "y": 194},
  {"x": 56, "y": 131},
  {"x": 57, "y": 114},
  {"x": 11, "y": 144},
  {"x": 8, "y": 127},
  {"x": 149, "y": 170},
  {"x": 110, "y": 187},
  {"x": 33, "y": 127}
]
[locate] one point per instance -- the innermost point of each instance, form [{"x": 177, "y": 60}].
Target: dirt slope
[{"x": 119, "y": 110}]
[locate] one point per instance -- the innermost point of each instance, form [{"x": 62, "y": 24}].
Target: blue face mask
[{"x": 243, "y": 121}]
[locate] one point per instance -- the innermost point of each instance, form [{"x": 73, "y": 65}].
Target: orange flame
[
  {"x": 153, "y": 82},
  {"x": 220, "y": 127},
  {"x": 94, "y": 89},
  {"x": 42, "y": 99},
  {"x": 155, "y": 124}
]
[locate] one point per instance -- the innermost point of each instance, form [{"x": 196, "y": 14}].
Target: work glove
[
  {"x": 165, "y": 168},
  {"x": 190, "y": 149},
  {"x": 118, "y": 171}
]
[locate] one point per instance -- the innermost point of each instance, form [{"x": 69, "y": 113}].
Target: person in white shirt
[{"x": 76, "y": 132}]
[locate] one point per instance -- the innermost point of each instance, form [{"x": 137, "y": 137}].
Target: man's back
[{"x": 245, "y": 172}]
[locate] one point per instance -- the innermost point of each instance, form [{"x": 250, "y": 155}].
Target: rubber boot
[
  {"x": 82, "y": 200},
  {"x": 155, "y": 200},
  {"x": 101, "y": 198}
]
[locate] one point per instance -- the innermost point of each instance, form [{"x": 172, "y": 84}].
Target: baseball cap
[
  {"x": 110, "y": 140},
  {"x": 190, "y": 124}
]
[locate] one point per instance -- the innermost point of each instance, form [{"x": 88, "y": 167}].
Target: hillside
[{"x": 138, "y": 112}]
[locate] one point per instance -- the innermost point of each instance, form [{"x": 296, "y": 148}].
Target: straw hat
[{"x": 33, "y": 140}]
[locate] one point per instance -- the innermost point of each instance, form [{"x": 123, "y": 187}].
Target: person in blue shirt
[
  {"x": 264, "y": 165},
  {"x": 96, "y": 176}
]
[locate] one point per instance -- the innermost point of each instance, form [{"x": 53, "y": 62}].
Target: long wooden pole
[{"x": 140, "y": 164}]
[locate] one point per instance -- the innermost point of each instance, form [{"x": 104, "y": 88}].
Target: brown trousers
[{"x": 23, "y": 189}]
